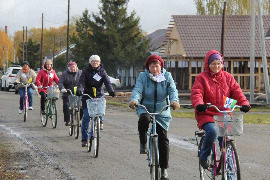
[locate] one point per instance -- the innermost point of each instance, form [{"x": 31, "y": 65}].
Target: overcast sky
[{"x": 154, "y": 14}]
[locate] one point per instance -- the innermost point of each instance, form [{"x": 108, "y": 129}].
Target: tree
[
  {"x": 6, "y": 48},
  {"x": 239, "y": 7},
  {"x": 33, "y": 53},
  {"x": 112, "y": 34}
]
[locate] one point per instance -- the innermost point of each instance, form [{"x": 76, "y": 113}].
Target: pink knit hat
[{"x": 71, "y": 64}]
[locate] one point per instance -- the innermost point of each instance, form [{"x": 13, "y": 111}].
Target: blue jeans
[
  {"x": 209, "y": 139},
  {"x": 30, "y": 96},
  {"x": 85, "y": 123}
]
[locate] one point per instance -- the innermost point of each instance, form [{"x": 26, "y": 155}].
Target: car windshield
[{"x": 15, "y": 71}]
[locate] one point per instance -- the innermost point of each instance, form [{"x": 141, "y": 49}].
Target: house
[{"x": 190, "y": 37}]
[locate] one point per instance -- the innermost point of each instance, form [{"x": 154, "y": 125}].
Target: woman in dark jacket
[
  {"x": 68, "y": 80},
  {"x": 92, "y": 76}
]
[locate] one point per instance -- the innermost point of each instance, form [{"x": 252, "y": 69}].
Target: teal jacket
[{"x": 144, "y": 93}]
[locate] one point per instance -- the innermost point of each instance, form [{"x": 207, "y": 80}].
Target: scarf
[
  {"x": 26, "y": 70},
  {"x": 158, "y": 78}
]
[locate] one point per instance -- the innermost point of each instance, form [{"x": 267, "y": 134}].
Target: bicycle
[
  {"x": 228, "y": 166},
  {"x": 96, "y": 108},
  {"x": 75, "y": 104},
  {"x": 25, "y": 99},
  {"x": 50, "y": 107},
  {"x": 152, "y": 136}
]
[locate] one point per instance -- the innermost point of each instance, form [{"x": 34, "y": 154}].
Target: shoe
[
  {"x": 20, "y": 111},
  {"x": 101, "y": 126},
  {"x": 42, "y": 112},
  {"x": 143, "y": 148},
  {"x": 30, "y": 108},
  {"x": 66, "y": 124},
  {"x": 204, "y": 163},
  {"x": 164, "y": 174},
  {"x": 84, "y": 143}
]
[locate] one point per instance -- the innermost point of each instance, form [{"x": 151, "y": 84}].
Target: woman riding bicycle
[
  {"x": 211, "y": 86},
  {"x": 68, "y": 80},
  {"x": 93, "y": 76},
  {"x": 44, "y": 79},
  {"x": 154, "y": 89},
  {"x": 24, "y": 76}
]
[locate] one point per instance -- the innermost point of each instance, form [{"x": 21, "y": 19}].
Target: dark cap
[{"x": 25, "y": 62}]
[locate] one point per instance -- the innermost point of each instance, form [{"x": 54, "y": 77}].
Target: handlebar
[
  {"x": 28, "y": 84},
  {"x": 209, "y": 105},
  {"x": 140, "y": 105}
]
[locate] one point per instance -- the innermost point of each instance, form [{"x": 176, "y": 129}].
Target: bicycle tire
[
  {"x": 77, "y": 125},
  {"x": 54, "y": 115},
  {"x": 44, "y": 117},
  {"x": 25, "y": 109},
  {"x": 154, "y": 165},
  {"x": 71, "y": 122},
  {"x": 96, "y": 136},
  {"x": 231, "y": 166},
  {"x": 90, "y": 136}
]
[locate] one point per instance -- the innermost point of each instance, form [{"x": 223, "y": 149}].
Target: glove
[
  {"x": 39, "y": 87},
  {"x": 175, "y": 105},
  {"x": 245, "y": 108},
  {"x": 112, "y": 93},
  {"x": 15, "y": 83},
  {"x": 79, "y": 93},
  {"x": 201, "y": 108},
  {"x": 133, "y": 104},
  {"x": 63, "y": 90}
]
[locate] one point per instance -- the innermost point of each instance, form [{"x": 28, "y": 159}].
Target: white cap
[{"x": 94, "y": 57}]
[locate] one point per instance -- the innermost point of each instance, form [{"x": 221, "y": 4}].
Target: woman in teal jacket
[{"x": 155, "y": 88}]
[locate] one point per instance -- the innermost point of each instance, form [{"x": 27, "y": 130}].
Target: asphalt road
[{"x": 47, "y": 153}]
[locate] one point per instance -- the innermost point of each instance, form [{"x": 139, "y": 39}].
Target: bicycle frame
[
  {"x": 74, "y": 110},
  {"x": 25, "y": 100}
]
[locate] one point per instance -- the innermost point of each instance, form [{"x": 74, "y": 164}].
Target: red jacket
[
  {"x": 42, "y": 79},
  {"x": 210, "y": 88}
]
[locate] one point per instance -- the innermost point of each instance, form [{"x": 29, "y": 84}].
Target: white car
[
  {"x": 115, "y": 83},
  {"x": 7, "y": 80}
]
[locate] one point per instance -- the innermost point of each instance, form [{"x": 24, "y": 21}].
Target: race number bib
[
  {"x": 97, "y": 77},
  {"x": 24, "y": 75},
  {"x": 51, "y": 75}
]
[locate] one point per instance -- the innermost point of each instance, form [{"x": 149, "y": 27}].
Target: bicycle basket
[
  {"x": 53, "y": 92},
  {"x": 73, "y": 101},
  {"x": 229, "y": 124},
  {"x": 96, "y": 106}
]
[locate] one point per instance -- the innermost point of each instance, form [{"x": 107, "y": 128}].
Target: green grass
[{"x": 249, "y": 118}]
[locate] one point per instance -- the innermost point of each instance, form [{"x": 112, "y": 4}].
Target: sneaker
[
  {"x": 164, "y": 174},
  {"x": 67, "y": 123},
  {"x": 101, "y": 126},
  {"x": 143, "y": 148},
  {"x": 30, "y": 108},
  {"x": 20, "y": 111},
  {"x": 84, "y": 143},
  {"x": 204, "y": 163}
]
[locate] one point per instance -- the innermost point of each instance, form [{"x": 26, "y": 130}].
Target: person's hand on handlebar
[
  {"x": 201, "y": 108},
  {"x": 245, "y": 108},
  {"x": 79, "y": 93},
  {"x": 175, "y": 105},
  {"x": 133, "y": 104},
  {"x": 63, "y": 90},
  {"x": 39, "y": 87}
]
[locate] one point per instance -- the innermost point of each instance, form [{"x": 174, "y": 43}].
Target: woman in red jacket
[
  {"x": 44, "y": 79},
  {"x": 209, "y": 87}
]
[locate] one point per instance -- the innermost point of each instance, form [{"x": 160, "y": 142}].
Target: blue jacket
[{"x": 144, "y": 93}]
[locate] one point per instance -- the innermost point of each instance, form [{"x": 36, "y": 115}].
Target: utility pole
[
  {"x": 223, "y": 29},
  {"x": 252, "y": 51},
  {"x": 53, "y": 46},
  {"x": 23, "y": 42},
  {"x": 14, "y": 53},
  {"x": 41, "y": 45},
  {"x": 263, "y": 52},
  {"x": 26, "y": 43},
  {"x": 68, "y": 32}
]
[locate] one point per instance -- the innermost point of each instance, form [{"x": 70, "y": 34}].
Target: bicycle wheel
[
  {"x": 90, "y": 136},
  {"x": 205, "y": 173},
  {"x": 54, "y": 114},
  {"x": 154, "y": 161},
  {"x": 25, "y": 109},
  {"x": 44, "y": 117},
  {"x": 231, "y": 166},
  {"x": 96, "y": 136},
  {"x": 77, "y": 124},
  {"x": 71, "y": 122}
]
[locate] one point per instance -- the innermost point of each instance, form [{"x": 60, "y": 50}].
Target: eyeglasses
[{"x": 95, "y": 61}]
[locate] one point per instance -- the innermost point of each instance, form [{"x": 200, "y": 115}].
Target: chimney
[{"x": 6, "y": 29}]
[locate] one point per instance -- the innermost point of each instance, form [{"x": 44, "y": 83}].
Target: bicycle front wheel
[
  {"x": 154, "y": 162},
  {"x": 77, "y": 124},
  {"x": 96, "y": 136},
  {"x": 54, "y": 114},
  {"x": 231, "y": 166},
  {"x": 71, "y": 122},
  {"x": 25, "y": 109}
]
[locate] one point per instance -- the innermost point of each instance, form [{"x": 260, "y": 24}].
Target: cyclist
[
  {"x": 209, "y": 87},
  {"x": 24, "y": 76},
  {"x": 93, "y": 76},
  {"x": 44, "y": 79},
  {"x": 68, "y": 80},
  {"x": 155, "y": 88}
]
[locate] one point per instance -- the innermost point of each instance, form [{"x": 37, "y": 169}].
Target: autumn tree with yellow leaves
[{"x": 6, "y": 50}]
